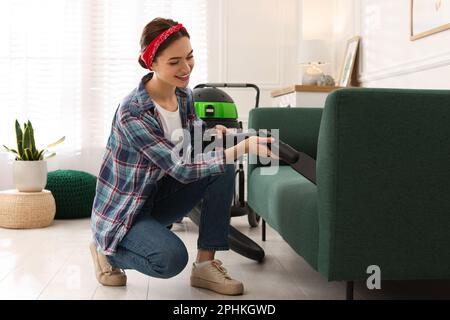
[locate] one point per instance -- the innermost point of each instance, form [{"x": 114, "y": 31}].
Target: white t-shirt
[{"x": 171, "y": 122}]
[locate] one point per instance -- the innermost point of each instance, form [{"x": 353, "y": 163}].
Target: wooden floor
[{"x": 55, "y": 263}]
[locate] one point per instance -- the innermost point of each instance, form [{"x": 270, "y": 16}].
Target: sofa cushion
[
  {"x": 74, "y": 193},
  {"x": 287, "y": 202}
]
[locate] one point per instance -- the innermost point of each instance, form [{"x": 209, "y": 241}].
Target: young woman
[{"x": 144, "y": 185}]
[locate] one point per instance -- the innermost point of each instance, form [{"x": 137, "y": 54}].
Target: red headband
[{"x": 149, "y": 53}]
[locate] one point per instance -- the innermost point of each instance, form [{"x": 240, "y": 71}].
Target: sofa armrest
[{"x": 383, "y": 177}]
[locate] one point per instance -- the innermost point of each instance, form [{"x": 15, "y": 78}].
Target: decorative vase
[
  {"x": 326, "y": 80},
  {"x": 310, "y": 79},
  {"x": 30, "y": 176}
]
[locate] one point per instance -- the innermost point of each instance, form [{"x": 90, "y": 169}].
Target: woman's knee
[
  {"x": 226, "y": 179},
  {"x": 170, "y": 262}
]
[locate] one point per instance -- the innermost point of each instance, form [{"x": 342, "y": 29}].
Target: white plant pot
[{"x": 30, "y": 176}]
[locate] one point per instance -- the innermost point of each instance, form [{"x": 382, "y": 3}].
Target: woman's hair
[{"x": 155, "y": 28}]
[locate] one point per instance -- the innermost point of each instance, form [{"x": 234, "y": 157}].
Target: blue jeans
[{"x": 151, "y": 248}]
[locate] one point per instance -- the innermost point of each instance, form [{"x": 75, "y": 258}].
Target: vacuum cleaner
[{"x": 214, "y": 106}]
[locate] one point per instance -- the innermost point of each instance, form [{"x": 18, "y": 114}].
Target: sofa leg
[
  {"x": 349, "y": 293},
  {"x": 263, "y": 230}
]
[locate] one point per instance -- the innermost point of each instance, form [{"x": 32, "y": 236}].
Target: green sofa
[{"x": 383, "y": 184}]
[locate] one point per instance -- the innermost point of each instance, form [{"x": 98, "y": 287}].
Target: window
[{"x": 66, "y": 64}]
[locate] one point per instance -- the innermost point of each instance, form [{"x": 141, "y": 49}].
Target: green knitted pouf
[{"x": 73, "y": 191}]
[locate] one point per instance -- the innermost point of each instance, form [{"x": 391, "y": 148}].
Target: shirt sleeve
[{"x": 165, "y": 155}]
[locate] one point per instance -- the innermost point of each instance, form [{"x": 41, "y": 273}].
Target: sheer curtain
[{"x": 66, "y": 64}]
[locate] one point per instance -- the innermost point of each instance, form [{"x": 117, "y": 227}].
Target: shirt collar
[{"x": 143, "y": 99}]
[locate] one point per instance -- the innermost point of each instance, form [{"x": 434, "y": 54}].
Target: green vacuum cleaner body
[{"x": 215, "y": 106}]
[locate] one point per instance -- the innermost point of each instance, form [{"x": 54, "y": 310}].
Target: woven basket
[{"x": 24, "y": 210}]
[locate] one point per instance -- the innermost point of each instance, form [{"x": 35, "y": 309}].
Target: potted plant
[{"x": 30, "y": 167}]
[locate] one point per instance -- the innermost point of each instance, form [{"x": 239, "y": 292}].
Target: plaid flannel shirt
[{"x": 136, "y": 153}]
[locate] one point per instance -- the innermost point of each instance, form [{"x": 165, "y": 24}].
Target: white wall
[
  {"x": 388, "y": 57},
  {"x": 345, "y": 26},
  {"x": 253, "y": 41}
]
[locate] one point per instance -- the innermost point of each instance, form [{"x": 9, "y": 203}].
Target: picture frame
[
  {"x": 348, "y": 65},
  {"x": 429, "y": 17}
]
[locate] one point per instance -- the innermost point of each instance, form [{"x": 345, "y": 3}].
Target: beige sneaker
[
  {"x": 213, "y": 276},
  {"x": 105, "y": 273}
]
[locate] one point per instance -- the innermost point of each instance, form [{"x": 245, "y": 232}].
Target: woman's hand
[
  {"x": 253, "y": 145},
  {"x": 222, "y": 130},
  {"x": 259, "y": 146}
]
